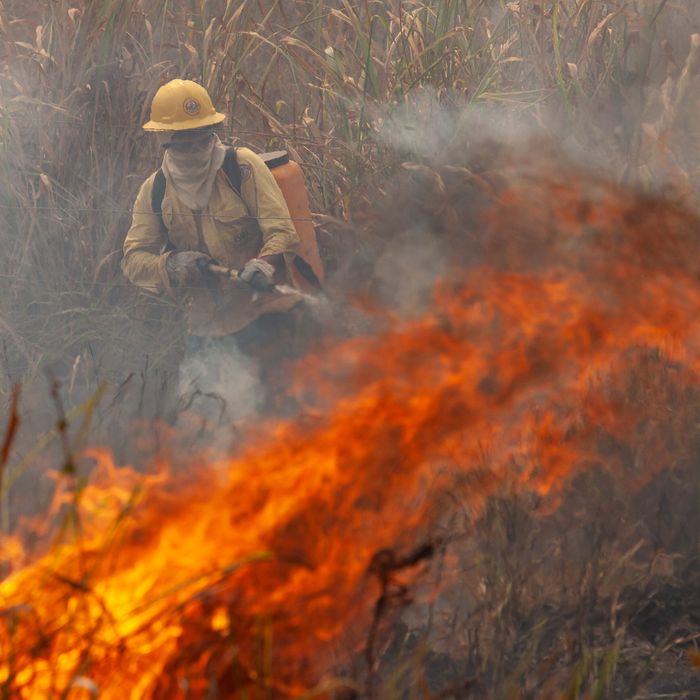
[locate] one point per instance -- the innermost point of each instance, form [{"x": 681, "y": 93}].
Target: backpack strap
[
  {"x": 232, "y": 170},
  {"x": 157, "y": 194}
]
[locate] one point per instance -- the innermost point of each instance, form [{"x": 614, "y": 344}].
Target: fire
[{"x": 251, "y": 571}]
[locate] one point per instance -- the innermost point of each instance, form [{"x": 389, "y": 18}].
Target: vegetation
[
  {"x": 322, "y": 79},
  {"x": 352, "y": 88}
]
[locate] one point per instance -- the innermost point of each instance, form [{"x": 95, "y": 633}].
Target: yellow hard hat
[{"x": 180, "y": 105}]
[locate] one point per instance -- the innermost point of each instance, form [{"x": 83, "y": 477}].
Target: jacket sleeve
[
  {"x": 265, "y": 202},
  {"x": 144, "y": 262}
]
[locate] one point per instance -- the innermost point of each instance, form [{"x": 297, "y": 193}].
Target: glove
[
  {"x": 186, "y": 267},
  {"x": 259, "y": 274}
]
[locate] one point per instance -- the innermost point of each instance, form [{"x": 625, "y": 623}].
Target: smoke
[
  {"x": 220, "y": 383},
  {"x": 427, "y": 128},
  {"x": 406, "y": 272}
]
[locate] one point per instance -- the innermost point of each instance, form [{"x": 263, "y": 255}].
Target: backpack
[{"x": 233, "y": 173}]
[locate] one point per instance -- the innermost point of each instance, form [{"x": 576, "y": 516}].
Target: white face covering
[{"x": 192, "y": 172}]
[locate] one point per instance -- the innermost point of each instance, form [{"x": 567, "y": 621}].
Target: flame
[{"x": 251, "y": 571}]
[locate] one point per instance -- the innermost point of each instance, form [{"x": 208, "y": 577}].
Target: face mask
[{"x": 190, "y": 165}]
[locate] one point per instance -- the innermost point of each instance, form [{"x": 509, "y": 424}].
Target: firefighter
[{"x": 190, "y": 215}]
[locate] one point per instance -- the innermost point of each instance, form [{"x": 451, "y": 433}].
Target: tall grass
[
  {"x": 318, "y": 78},
  {"x": 322, "y": 79},
  {"x": 329, "y": 81}
]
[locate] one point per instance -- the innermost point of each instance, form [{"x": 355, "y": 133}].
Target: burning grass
[
  {"x": 564, "y": 350},
  {"x": 492, "y": 493}
]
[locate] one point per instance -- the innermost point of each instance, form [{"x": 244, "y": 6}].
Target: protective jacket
[{"x": 232, "y": 229}]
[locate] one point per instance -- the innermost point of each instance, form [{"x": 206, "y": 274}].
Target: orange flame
[{"x": 251, "y": 571}]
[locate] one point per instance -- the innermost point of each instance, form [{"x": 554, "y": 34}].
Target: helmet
[{"x": 180, "y": 105}]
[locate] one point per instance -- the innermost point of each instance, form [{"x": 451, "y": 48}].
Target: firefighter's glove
[
  {"x": 187, "y": 267},
  {"x": 259, "y": 274}
]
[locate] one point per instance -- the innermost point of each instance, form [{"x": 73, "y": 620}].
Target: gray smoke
[{"x": 220, "y": 383}]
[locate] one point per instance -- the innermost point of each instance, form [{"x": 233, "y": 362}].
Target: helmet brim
[{"x": 212, "y": 119}]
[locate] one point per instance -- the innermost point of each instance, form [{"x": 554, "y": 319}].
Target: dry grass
[
  {"x": 322, "y": 79},
  {"x": 616, "y": 81}
]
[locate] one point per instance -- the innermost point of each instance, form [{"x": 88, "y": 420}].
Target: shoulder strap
[
  {"x": 157, "y": 194},
  {"x": 232, "y": 169}
]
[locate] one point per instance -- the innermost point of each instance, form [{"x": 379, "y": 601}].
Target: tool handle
[
  {"x": 222, "y": 271},
  {"x": 233, "y": 275}
]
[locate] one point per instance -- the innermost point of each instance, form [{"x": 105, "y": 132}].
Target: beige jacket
[{"x": 232, "y": 229}]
